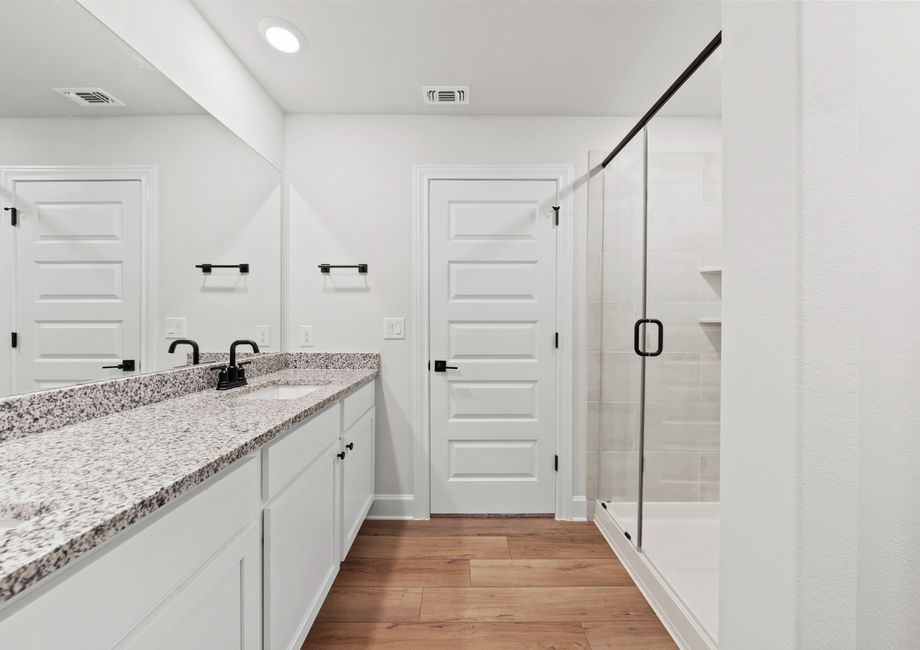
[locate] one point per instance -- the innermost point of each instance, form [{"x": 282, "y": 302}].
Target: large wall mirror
[{"x": 120, "y": 194}]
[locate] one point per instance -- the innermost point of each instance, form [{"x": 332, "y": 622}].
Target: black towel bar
[
  {"x": 324, "y": 268},
  {"x": 206, "y": 268}
]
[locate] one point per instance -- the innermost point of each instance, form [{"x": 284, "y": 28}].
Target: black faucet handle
[
  {"x": 217, "y": 368},
  {"x": 244, "y": 363}
]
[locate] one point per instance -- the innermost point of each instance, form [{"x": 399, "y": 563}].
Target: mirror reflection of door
[{"x": 78, "y": 281}]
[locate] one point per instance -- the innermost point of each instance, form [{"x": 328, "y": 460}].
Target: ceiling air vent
[
  {"x": 447, "y": 95},
  {"x": 89, "y": 96}
]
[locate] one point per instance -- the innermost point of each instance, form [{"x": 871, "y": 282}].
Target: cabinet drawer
[
  {"x": 291, "y": 454},
  {"x": 357, "y": 404}
]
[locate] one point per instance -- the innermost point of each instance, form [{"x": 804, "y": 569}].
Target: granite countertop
[{"x": 79, "y": 485}]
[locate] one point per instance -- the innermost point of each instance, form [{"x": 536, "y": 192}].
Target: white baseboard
[
  {"x": 392, "y": 506},
  {"x": 683, "y": 627},
  {"x": 402, "y": 506}
]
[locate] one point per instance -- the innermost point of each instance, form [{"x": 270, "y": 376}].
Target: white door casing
[
  {"x": 494, "y": 284},
  {"x": 77, "y": 274}
]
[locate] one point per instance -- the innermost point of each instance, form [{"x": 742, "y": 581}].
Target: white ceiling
[
  {"x": 523, "y": 57},
  {"x": 47, "y": 44}
]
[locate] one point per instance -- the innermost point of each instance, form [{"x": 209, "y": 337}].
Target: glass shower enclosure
[{"x": 661, "y": 342}]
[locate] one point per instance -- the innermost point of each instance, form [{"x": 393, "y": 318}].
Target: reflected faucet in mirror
[
  {"x": 172, "y": 348},
  {"x": 234, "y": 375}
]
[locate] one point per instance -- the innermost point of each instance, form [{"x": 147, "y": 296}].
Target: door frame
[
  {"x": 564, "y": 176},
  {"x": 146, "y": 175}
]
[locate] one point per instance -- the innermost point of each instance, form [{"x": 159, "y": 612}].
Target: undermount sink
[
  {"x": 9, "y": 524},
  {"x": 280, "y": 392}
]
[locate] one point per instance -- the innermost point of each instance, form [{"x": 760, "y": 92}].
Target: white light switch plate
[
  {"x": 394, "y": 328},
  {"x": 175, "y": 328},
  {"x": 306, "y": 336},
  {"x": 263, "y": 335}
]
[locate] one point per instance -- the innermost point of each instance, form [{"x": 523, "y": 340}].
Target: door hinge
[
  {"x": 13, "y": 214},
  {"x": 557, "y": 340},
  {"x": 556, "y": 208},
  {"x": 557, "y": 463},
  {"x": 14, "y": 340}
]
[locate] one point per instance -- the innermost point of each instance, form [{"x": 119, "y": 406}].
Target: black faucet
[
  {"x": 234, "y": 375},
  {"x": 172, "y": 348}
]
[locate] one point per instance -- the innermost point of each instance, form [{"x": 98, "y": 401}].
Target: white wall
[
  {"x": 819, "y": 437},
  {"x": 349, "y": 196},
  {"x": 174, "y": 37},
  {"x": 888, "y": 201},
  {"x": 217, "y": 201}
]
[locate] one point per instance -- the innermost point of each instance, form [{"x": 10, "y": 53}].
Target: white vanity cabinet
[
  {"x": 318, "y": 482},
  {"x": 165, "y": 582},
  {"x": 301, "y": 526},
  {"x": 242, "y": 561}
]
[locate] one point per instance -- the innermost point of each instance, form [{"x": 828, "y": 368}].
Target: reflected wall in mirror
[{"x": 116, "y": 205}]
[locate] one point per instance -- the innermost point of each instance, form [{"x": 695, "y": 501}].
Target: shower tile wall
[{"x": 683, "y": 384}]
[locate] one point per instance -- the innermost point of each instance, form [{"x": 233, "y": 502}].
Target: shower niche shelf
[
  {"x": 711, "y": 269},
  {"x": 710, "y": 321}
]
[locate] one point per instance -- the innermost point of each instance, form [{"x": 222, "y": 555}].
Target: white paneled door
[
  {"x": 492, "y": 319},
  {"x": 78, "y": 266}
]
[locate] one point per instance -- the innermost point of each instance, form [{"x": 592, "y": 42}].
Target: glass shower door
[
  {"x": 680, "y": 487},
  {"x": 622, "y": 292}
]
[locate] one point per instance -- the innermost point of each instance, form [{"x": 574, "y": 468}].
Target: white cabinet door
[
  {"x": 300, "y": 552},
  {"x": 220, "y": 607},
  {"x": 357, "y": 478}
]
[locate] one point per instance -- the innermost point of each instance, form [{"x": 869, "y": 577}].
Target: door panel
[
  {"x": 78, "y": 267},
  {"x": 493, "y": 317}
]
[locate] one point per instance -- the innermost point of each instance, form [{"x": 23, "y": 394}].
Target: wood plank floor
[{"x": 484, "y": 584}]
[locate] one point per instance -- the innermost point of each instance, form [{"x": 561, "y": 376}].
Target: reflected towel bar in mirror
[
  {"x": 206, "y": 268},
  {"x": 324, "y": 268}
]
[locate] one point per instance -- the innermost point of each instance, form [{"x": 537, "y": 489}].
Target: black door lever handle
[
  {"x": 441, "y": 366},
  {"x": 127, "y": 365}
]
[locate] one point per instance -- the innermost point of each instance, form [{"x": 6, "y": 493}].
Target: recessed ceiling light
[{"x": 281, "y": 35}]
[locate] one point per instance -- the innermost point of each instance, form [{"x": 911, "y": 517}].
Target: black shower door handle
[{"x": 660, "y": 337}]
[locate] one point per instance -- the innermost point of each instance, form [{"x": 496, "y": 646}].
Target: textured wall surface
[
  {"x": 888, "y": 518},
  {"x": 820, "y": 445}
]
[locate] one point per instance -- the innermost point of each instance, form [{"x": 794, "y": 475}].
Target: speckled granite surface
[
  {"x": 307, "y": 360},
  {"x": 28, "y": 413},
  {"x": 79, "y": 485}
]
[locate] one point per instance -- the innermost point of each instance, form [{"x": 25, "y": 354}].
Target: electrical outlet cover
[
  {"x": 263, "y": 335},
  {"x": 306, "y": 336}
]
